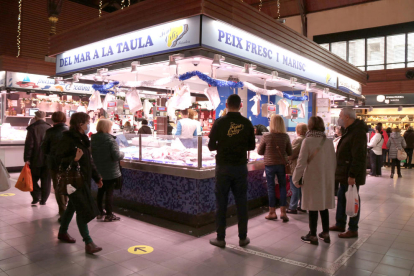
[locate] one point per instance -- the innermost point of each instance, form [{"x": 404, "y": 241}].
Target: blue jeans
[
  {"x": 341, "y": 216},
  {"x": 296, "y": 196},
  {"x": 232, "y": 178},
  {"x": 271, "y": 172}
]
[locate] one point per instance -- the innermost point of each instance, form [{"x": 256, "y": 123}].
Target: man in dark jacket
[
  {"x": 145, "y": 129},
  {"x": 232, "y": 136},
  {"x": 49, "y": 147},
  {"x": 351, "y": 168},
  {"x": 409, "y": 139},
  {"x": 34, "y": 157}
]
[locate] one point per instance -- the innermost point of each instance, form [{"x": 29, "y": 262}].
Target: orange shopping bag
[{"x": 25, "y": 183}]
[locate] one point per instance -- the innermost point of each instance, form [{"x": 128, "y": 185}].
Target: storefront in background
[{"x": 193, "y": 58}]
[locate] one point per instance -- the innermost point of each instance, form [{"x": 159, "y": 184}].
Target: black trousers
[
  {"x": 232, "y": 178},
  {"x": 376, "y": 161},
  {"x": 108, "y": 190},
  {"x": 313, "y": 221},
  {"x": 41, "y": 192},
  {"x": 396, "y": 162},
  {"x": 409, "y": 157}
]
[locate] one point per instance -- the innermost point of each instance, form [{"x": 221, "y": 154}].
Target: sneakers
[
  {"x": 289, "y": 211},
  {"x": 325, "y": 237},
  {"x": 111, "y": 218},
  {"x": 218, "y": 243},
  {"x": 348, "y": 235},
  {"x": 310, "y": 239},
  {"x": 244, "y": 242}
]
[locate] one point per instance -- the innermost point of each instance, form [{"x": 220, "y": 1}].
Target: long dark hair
[
  {"x": 379, "y": 128},
  {"x": 77, "y": 119}
]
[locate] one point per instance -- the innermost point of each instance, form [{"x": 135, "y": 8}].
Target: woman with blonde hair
[
  {"x": 276, "y": 147},
  {"x": 106, "y": 153}
]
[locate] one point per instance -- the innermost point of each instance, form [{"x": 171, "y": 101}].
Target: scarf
[{"x": 315, "y": 133}]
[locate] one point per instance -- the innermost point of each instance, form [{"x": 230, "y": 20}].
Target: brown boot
[
  {"x": 91, "y": 248},
  {"x": 65, "y": 237},
  {"x": 348, "y": 235},
  {"x": 283, "y": 215},
  {"x": 272, "y": 214},
  {"x": 336, "y": 229}
]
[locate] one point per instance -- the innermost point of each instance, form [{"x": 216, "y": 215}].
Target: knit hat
[{"x": 40, "y": 114}]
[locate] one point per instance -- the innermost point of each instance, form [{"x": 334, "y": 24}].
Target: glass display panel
[
  {"x": 395, "y": 66},
  {"x": 410, "y": 46},
  {"x": 375, "y": 67},
  {"x": 12, "y": 135}
]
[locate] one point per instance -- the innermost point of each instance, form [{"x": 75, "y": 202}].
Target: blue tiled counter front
[{"x": 181, "y": 199}]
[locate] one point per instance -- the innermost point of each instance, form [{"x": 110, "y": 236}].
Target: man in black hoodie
[
  {"x": 351, "y": 168},
  {"x": 35, "y": 158},
  {"x": 232, "y": 136}
]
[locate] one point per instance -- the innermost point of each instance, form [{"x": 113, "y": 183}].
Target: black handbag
[{"x": 72, "y": 175}]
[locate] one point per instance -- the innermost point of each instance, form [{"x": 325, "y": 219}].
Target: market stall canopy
[{"x": 236, "y": 13}]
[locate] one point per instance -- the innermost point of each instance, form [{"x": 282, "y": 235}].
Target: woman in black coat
[{"x": 73, "y": 149}]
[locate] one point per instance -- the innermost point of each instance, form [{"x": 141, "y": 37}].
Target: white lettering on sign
[
  {"x": 349, "y": 85},
  {"x": 167, "y": 37},
  {"x": 236, "y": 42}
]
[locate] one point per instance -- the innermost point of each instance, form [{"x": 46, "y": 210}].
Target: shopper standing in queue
[
  {"x": 35, "y": 158},
  {"x": 232, "y": 136},
  {"x": 276, "y": 147},
  {"x": 73, "y": 149},
  {"x": 49, "y": 147},
  {"x": 375, "y": 152},
  {"x": 315, "y": 174},
  {"x": 409, "y": 140},
  {"x": 106, "y": 154},
  {"x": 384, "y": 142},
  {"x": 186, "y": 127},
  {"x": 386, "y": 154},
  {"x": 351, "y": 168},
  {"x": 395, "y": 143},
  {"x": 296, "y": 198},
  {"x": 145, "y": 129}
]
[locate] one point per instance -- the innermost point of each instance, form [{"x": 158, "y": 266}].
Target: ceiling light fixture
[
  {"x": 248, "y": 68},
  {"x": 58, "y": 80},
  {"x": 76, "y": 77},
  {"x": 134, "y": 66},
  {"x": 292, "y": 81},
  {"x": 275, "y": 75},
  {"x": 217, "y": 60},
  {"x": 102, "y": 71}
]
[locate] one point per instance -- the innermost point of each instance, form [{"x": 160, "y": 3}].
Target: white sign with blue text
[
  {"x": 41, "y": 82},
  {"x": 236, "y": 42},
  {"x": 163, "y": 38}
]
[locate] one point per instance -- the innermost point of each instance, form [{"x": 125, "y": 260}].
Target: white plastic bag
[
  {"x": 108, "y": 98},
  {"x": 133, "y": 100},
  {"x": 4, "y": 178},
  {"x": 352, "y": 201},
  {"x": 95, "y": 101}
]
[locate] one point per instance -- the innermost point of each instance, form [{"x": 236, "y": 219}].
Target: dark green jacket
[{"x": 106, "y": 155}]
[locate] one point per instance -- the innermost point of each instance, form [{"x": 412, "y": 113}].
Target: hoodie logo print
[{"x": 234, "y": 129}]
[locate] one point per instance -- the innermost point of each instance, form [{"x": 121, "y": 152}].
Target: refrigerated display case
[{"x": 12, "y": 146}]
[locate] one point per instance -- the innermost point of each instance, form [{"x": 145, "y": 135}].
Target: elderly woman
[
  {"x": 295, "y": 200},
  {"x": 315, "y": 174},
  {"x": 339, "y": 131},
  {"x": 105, "y": 152},
  {"x": 395, "y": 143},
  {"x": 276, "y": 147}
]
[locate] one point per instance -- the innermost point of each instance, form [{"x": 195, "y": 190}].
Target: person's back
[
  {"x": 51, "y": 142},
  {"x": 273, "y": 155},
  {"x": 232, "y": 138},
  {"x": 32, "y": 151},
  {"x": 145, "y": 130},
  {"x": 409, "y": 138}
]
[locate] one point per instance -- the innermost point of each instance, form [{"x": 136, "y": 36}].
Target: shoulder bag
[
  {"x": 401, "y": 154},
  {"x": 72, "y": 175},
  {"x": 119, "y": 180},
  {"x": 288, "y": 168}
]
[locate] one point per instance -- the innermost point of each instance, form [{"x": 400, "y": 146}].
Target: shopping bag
[
  {"x": 133, "y": 100},
  {"x": 401, "y": 154},
  {"x": 352, "y": 201},
  {"x": 25, "y": 183},
  {"x": 4, "y": 178},
  {"x": 95, "y": 101}
]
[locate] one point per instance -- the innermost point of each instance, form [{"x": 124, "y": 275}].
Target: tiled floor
[{"x": 28, "y": 244}]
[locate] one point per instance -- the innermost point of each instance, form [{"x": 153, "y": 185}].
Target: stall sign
[
  {"x": 348, "y": 85},
  {"x": 2, "y": 78},
  {"x": 236, "y": 42},
  {"x": 393, "y": 99},
  {"x": 169, "y": 37},
  {"x": 41, "y": 82}
]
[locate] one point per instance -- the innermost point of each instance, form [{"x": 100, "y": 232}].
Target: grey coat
[
  {"x": 106, "y": 155},
  {"x": 395, "y": 142}
]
